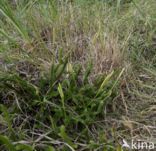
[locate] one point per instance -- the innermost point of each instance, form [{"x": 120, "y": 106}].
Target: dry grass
[{"x": 113, "y": 36}]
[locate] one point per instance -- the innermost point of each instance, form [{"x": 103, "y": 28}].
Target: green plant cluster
[{"x": 64, "y": 99}]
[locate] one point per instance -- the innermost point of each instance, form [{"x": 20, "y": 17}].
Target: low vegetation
[{"x": 76, "y": 75}]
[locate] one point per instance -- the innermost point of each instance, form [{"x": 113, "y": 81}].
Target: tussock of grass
[{"x": 57, "y": 102}]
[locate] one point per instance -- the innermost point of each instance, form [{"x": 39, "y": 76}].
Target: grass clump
[{"x": 63, "y": 100}]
